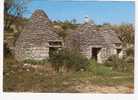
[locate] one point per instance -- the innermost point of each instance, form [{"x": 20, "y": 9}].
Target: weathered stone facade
[
  {"x": 39, "y": 37},
  {"x": 33, "y": 42},
  {"x": 95, "y": 43}
]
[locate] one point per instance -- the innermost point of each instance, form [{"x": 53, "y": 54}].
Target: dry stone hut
[
  {"x": 97, "y": 44},
  {"x": 38, "y": 38}
]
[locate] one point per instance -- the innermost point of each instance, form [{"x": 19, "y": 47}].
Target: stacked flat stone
[
  {"x": 88, "y": 37},
  {"x": 32, "y": 43},
  {"x": 110, "y": 36}
]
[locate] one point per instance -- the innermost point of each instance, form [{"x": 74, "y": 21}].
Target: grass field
[{"x": 101, "y": 80}]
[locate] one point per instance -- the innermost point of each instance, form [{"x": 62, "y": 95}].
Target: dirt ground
[
  {"x": 26, "y": 79},
  {"x": 103, "y": 89}
]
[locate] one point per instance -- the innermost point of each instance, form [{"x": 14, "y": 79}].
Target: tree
[
  {"x": 62, "y": 27},
  {"x": 125, "y": 33},
  {"x": 66, "y": 24},
  {"x": 13, "y": 11}
]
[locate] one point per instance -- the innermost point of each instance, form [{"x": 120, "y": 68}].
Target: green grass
[{"x": 99, "y": 69}]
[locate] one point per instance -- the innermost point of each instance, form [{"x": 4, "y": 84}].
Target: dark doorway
[
  {"x": 54, "y": 47},
  {"x": 52, "y": 51},
  {"x": 95, "y": 52},
  {"x": 118, "y": 51}
]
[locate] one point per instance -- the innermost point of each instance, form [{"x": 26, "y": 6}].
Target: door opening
[
  {"x": 54, "y": 47},
  {"x": 95, "y": 52},
  {"x": 52, "y": 51}
]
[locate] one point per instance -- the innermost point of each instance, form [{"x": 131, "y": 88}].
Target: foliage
[
  {"x": 130, "y": 55},
  {"x": 61, "y": 27},
  {"x": 98, "y": 69},
  {"x": 63, "y": 34},
  {"x": 119, "y": 64},
  {"x": 13, "y": 11},
  {"x": 66, "y": 24},
  {"x": 68, "y": 59},
  {"x": 130, "y": 51},
  {"x": 7, "y": 51},
  {"x": 17, "y": 78},
  {"x": 125, "y": 33}
]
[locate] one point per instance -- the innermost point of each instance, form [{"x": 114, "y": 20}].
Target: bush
[
  {"x": 129, "y": 59},
  {"x": 7, "y": 51},
  {"x": 130, "y": 51},
  {"x": 118, "y": 64},
  {"x": 98, "y": 69},
  {"x": 69, "y": 59}
]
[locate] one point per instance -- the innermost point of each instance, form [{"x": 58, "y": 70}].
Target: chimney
[{"x": 88, "y": 20}]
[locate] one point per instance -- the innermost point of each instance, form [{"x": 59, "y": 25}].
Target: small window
[
  {"x": 117, "y": 44},
  {"x": 55, "y": 43}
]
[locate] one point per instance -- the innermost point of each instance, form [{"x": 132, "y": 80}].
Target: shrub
[
  {"x": 98, "y": 69},
  {"x": 69, "y": 59},
  {"x": 117, "y": 64},
  {"x": 130, "y": 51},
  {"x": 7, "y": 51},
  {"x": 129, "y": 59}
]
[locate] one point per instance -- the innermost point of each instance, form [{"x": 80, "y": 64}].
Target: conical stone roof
[
  {"x": 88, "y": 35},
  {"x": 37, "y": 32},
  {"x": 110, "y": 36},
  {"x": 85, "y": 35}
]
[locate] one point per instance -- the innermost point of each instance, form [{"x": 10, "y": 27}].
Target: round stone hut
[
  {"x": 38, "y": 38},
  {"x": 95, "y": 43}
]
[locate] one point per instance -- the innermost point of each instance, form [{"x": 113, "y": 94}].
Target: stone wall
[
  {"x": 86, "y": 51},
  {"x": 32, "y": 42},
  {"x": 37, "y": 53},
  {"x": 103, "y": 54}
]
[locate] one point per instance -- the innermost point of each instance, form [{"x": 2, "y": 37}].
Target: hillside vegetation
[
  {"x": 66, "y": 71},
  {"x": 69, "y": 71}
]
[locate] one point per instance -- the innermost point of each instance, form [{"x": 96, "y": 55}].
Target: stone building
[
  {"x": 93, "y": 42},
  {"x": 39, "y": 39}
]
